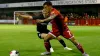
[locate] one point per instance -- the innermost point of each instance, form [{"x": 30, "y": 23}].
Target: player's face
[
  {"x": 45, "y": 13},
  {"x": 46, "y": 7}
]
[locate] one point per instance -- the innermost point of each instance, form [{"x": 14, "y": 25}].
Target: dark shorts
[{"x": 40, "y": 32}]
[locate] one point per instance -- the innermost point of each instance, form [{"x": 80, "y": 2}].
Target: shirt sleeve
[{"x": 38, "y": 17}]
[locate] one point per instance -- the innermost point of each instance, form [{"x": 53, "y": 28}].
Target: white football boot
[{"x": 67, "y": 48}]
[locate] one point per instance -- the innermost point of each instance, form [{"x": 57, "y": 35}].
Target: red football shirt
[{"x": 58, "y": 23}]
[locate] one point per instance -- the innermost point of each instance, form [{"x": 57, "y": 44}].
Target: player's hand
[{"x": 39, "y": 21}]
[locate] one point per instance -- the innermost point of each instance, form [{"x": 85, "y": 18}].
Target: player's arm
[
  {"x": 29, "y": 16},
  {"x": 24, "y": 16},
  {"x": 48, "y": 19}
]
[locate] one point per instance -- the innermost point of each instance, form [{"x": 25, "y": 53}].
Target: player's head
[{"x": 47, "y": 5}]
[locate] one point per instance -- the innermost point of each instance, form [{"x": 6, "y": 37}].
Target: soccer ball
[{"x": 14, "y": 53}]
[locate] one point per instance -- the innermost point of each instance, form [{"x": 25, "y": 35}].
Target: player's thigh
[
  {"x": 43, "y": 35},
  {"x": 67, "y": 34},
  {"x": 49, "y": 37}
]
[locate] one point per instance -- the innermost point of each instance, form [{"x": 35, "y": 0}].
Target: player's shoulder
[{"x": 54, "y": 11}]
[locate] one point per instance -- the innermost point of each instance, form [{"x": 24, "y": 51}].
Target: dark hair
[{"x": 48, "y": 3}]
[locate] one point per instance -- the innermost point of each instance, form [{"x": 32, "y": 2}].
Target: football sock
[
  {"x": 47, "y": 46},
  {"x": 62, "y": 42},
  {"x": 80, "y": 48}
]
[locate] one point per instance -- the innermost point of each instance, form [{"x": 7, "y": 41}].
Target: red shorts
[{"x": 66, "y": 33}]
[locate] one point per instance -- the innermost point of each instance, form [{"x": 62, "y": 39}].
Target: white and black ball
[{"x": 14, "y": 53}]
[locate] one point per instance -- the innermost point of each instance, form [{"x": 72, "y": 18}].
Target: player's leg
[
  {"x": 78, "y": 45},
  {"x": 47, "y": 44},
  {"x": 63, "y": 43},
  {"x": 43, "y": 35},
  {"x": 69, "y": 35}
]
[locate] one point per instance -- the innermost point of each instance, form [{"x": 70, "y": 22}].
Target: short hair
[{"x": 48, "y": 3}]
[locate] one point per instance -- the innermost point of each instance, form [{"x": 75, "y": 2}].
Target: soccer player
[
  {"x": 58, "y": 28},
  {"x": 42, "y": 30}
]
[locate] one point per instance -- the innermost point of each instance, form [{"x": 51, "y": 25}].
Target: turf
[{"x": 24, "y": 39}]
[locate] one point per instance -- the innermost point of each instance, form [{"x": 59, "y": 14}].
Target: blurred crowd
[
  {"x": 70, "y": 16},
  {"x": 74, "y": 16},
  {"x": 5, "y": 17}
]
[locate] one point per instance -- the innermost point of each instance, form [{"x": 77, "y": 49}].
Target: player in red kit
[{"x": 58, "y": 28}]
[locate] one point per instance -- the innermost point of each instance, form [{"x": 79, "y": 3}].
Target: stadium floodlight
[{"x": 16, "y": 19}]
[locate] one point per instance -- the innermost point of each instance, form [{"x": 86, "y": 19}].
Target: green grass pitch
[{"x": 24, "y": 39}]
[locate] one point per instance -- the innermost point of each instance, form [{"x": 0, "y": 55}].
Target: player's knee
[
  {"x": 43, "y": 35},
  {"x": 58, "y": 38},
  {"x": 74, "y": 41},
  {"x": 46, "y": 40}
]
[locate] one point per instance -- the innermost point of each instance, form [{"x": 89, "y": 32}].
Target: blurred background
[
  {"x": 78, "y": 12},
  {"x": 81, "y": 16}
]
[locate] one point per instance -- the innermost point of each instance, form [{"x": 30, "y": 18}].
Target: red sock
[
  {"x": 80, "y": 48},
  {"x": 47, "y": 46}
]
